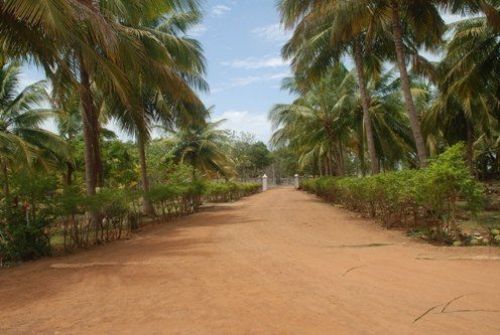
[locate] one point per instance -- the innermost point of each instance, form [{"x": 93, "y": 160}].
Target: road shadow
[{"x": 153, "y": 245}]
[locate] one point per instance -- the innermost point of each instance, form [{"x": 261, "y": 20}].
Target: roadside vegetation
[
  {"x": 130, "y": 64},
  {"x": 391, "y": 134},
  {"x": 429, "y": 202}
]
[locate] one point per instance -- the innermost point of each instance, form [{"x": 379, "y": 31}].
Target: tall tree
[
  {"x": 424, "y": 23},
  {"x": 201, "y": 146},
  {"x": 90, "y": 41},
  {"x": 410, "y": 24},
  {"x": 23, "y": 141},
  {"x": 464, "y": 110},
  {"x": 324, "y": 126},
  {"x": 315, "y": 45}
]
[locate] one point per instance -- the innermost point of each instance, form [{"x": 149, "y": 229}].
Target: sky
[{"x": 242, "y": 40}]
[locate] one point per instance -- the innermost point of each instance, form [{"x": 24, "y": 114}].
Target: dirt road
[{"x": 282, "y": 262}]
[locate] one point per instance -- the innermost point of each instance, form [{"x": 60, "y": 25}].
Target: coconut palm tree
[
  {"x": 172, "y": 101},
  {"x": 315, "y": 45},
  {"x": 201, "y": 146},
  {"x": 91, "y": 42},
  {"x": 471, "y": 57},
  {"x": 424, "y": 25},
  {"x": 68, "y": 118},
  {"x": 139, "y": 53},
  {"x": 393, "y": 136},
  {"x": 464, "y": 110},
  {"x": 325, "y": 124},
  {"x": 22, "y": 141},
  {"x": 318, "y": 123},
  {"x": 411, "y": 26},
  {"x": 74, "y": 37},
  {"x": 490, "y": 8}
]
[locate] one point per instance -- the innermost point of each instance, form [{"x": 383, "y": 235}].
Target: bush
[
  {"x": 84, "y": 220},
  {"x": 38, "y": 218},
  {"x": 25, "y": 217},
  {"x": 411, "y": 197},
  {"x": 176, "y": 199},
  {"x": 229, "y": 191},
  {"x": 179, "y": 199},
  {"x": 114, "y": 211},
  {"x": 22, "y": 238}
]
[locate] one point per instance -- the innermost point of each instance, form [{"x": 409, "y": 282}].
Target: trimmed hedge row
[
  {"x": 174, "y": 200},
  {"x": 229, "y": 191},
  {"x": 61, "y": 220},
  {"x": 408, "y": 198},
  {"x": 180, "y": 199}
]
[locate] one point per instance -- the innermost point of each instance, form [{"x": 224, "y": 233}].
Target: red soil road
[{"x": 281, "y": 262}]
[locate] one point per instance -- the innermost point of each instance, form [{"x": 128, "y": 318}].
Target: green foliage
[
  {"x": 162, "y": 168},
  {"x": 143, "y": 70},
  {"x": 229, "y": 191},
  {"x": 408, "y": 197},
  {"x": 40, "y": 216},
  {"x": 179, "y": 199},
  {"x": 286, "y": 162},
  {"x": 324, "y": 127},
  {"x": 116, "y": 213},
  {"x": 201, "y": 146},
  {"x": 23, "y": 238},
  {"x": 23, "y": 141},
  {"x": 250, "y": 157},
  {"x": 170, "y": 200},
  {"x": 26, "y": 215},
  {"x": 120, "y": 165},
  {"x": 445, "y": 181}
]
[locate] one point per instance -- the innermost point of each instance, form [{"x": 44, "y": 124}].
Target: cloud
[
  {"x": 220, "y": 10},
  {"x": 253, "y": 63},
  {"x": 273, "y": 32},
  {"x": 246, "y": 121},
  {"x": 249, "y": 80}
]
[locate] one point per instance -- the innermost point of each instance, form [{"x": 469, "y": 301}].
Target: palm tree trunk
[
  {"x": 68, "y": 178},
  {"x": 405, "y": 84},
  {"x": 146, "y": 204},
  {"x": 6, "y": 188},
  {"x": 88, "y": 132},
  {"x": 470, "y": 145},
  {"x": 365, "y": 102},
  {"x": 92, "y": 119},
  {"x": 97, "y": 151},
  {"x": 341, "y": 159},
  {"x": 329, "y": 164}
]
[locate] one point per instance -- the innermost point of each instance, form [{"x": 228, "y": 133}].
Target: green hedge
[
  {"x": 68, "y": 219},
  {"x": 176, "y": 199},
  {"x": 229, "y": 191},
  {"x": 410, "y": 197}
]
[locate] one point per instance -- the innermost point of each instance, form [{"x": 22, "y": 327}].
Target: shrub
[
  {"x": 229, "y": 191},
  {"x": 84, "y": 220},
  {"x": 21, "y": 239},
  {"x": 114, "y": 210},
  {"x": 176, "y": 199},
  {"x": 408, "y": 197},
  {"x": 25, "y": 217},
  {"x": 38, "y": 218}
]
